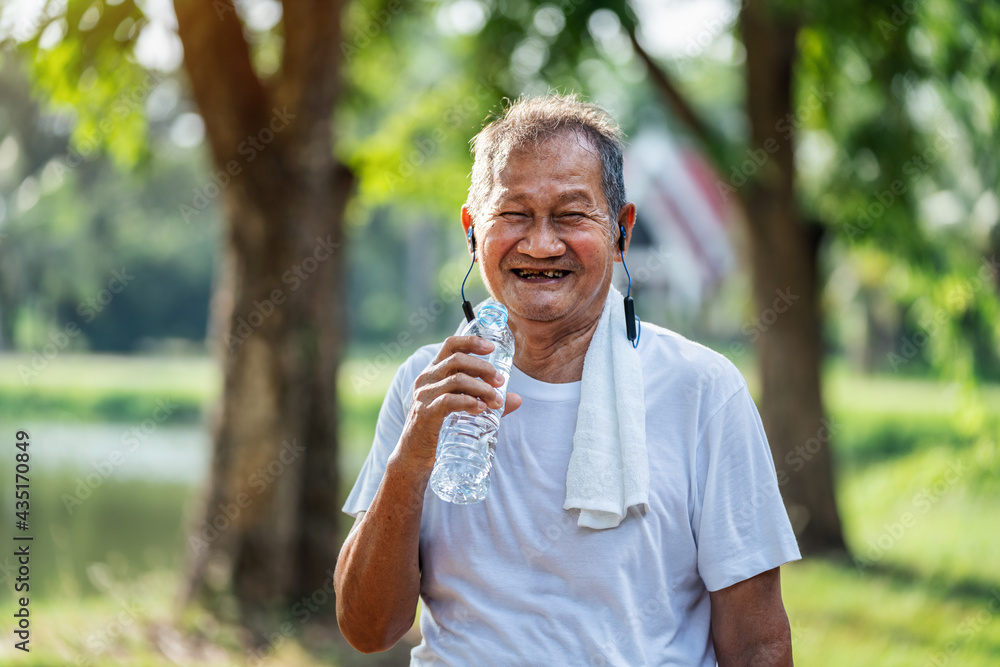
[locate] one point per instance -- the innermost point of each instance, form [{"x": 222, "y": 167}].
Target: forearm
[
  {"x": 377, "y": 579},
  {"x": 773, "y": 654}
]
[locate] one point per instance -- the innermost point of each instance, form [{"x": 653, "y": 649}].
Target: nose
[{"x": 541, "y": 240}]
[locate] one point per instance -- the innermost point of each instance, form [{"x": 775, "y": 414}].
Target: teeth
[{"x": 550, "y": 273}]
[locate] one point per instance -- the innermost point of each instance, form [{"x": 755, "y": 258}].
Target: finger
[
  {"x": 424, "y": 421},
  {"x": 445, "y": 404},
  {"x": 467, "y": 344},
  {"x": 513, "y": 403},
  {"x": 460, "y": 383},
  {"x": 461, "y": 362}
]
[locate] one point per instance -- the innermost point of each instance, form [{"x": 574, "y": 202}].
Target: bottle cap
[{"x": 493, "y": 312}]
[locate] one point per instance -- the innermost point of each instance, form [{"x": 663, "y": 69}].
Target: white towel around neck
[{"x": 609, "y": 467}]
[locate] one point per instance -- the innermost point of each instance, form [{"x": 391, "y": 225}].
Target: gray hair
[{"x": 531, "y": 121}]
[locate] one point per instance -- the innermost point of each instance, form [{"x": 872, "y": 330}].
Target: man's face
[{"x": 546, "y": 244}]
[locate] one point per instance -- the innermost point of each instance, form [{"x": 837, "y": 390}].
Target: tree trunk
[
  {"x": 274, "y": 470},
  {"x": 785, "y": 271},
  {"x": 269, "y": 524},
  {"x": 786, "y": 288}
]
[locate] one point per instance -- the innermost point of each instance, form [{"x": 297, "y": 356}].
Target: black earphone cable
[
  {"x": 631, "y": 320},
  {"x": 466, "y": 306}
]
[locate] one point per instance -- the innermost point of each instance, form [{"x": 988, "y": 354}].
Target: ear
[
  {"x": 467, "y": 227},
  {"x": 626, "y": 219}
]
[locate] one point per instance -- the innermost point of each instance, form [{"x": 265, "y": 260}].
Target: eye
[{"x": 513, "y": 215}]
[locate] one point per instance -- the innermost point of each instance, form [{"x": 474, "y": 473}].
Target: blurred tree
[
  {"x": 856, "y": 84},
  {"x": 284, "y": 195},
  {"x": 909, "y": 176},
  {"x": 266, "y": 98},
  {"x": 73, "y": 221}
]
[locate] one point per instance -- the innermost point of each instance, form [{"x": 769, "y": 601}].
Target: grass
[
  {"x": 918, "y": 492},
  {"x": 73, "y": 387},
  {"x": 842, "y": 617},
  {"x": 134, "y": 623}
]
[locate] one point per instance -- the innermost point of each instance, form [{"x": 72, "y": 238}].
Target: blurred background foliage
[
  {"x": 88, "y": 200},
  {"x": 101, "y": 148}
]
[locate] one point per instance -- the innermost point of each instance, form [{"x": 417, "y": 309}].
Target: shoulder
[{"x": 670, "y": 358}]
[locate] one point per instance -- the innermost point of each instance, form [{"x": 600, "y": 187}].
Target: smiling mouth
[{"x": 543, "y": 274}]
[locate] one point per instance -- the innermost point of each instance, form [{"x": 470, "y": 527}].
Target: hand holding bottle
[
  {"x": 455, "y": 381},
  {"x": 467, "y": 439}
]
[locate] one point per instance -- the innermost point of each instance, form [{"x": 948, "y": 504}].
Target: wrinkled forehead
[
  {"x": 540, "y": 145},
  {"x": 569, "y": 157}
]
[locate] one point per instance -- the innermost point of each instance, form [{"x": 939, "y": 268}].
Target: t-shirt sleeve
[
  {"x": 741, "y": 525},
  {"x": 388, "y": 430}
]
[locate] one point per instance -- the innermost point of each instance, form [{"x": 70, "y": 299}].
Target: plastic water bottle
[{"x": 466, "y": 444}]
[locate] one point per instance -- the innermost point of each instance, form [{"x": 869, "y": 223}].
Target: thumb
[{"x": 513, "y": 403}]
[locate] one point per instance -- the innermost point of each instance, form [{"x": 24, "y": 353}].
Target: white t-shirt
[{"x": 514, "y": 581}]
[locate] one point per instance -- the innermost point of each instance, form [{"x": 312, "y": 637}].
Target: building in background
[{"x": 682, "y": 246}]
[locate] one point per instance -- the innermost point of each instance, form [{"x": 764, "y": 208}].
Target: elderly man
[{"x": 686, "y": 574}]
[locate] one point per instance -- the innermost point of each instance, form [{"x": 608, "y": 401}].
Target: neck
[{"x": 551, "y": 352}]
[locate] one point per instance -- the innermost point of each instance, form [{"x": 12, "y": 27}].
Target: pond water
[
  {"x": 109, "y": 493},
  {"x": 146, "y": 451},
  {"x": 103, "y": 493}
]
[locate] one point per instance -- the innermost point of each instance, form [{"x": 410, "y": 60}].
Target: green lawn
[
  {"x": 101, "y": 387},
  {"x": 841, "y": 617},
  {"x": 919, "y": 489}
]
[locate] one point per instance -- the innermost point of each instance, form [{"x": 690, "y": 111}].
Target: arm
[
  {"x": 377, "y": 579},
  {"x": 749, "y": 624}
]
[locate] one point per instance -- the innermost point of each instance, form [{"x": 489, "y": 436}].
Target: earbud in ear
[
  {"x": 471, "y": 235},
  {"x": 621, "y": 238}
]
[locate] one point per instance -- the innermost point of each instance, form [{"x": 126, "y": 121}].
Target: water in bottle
[{"x": 466, "y": 444}]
